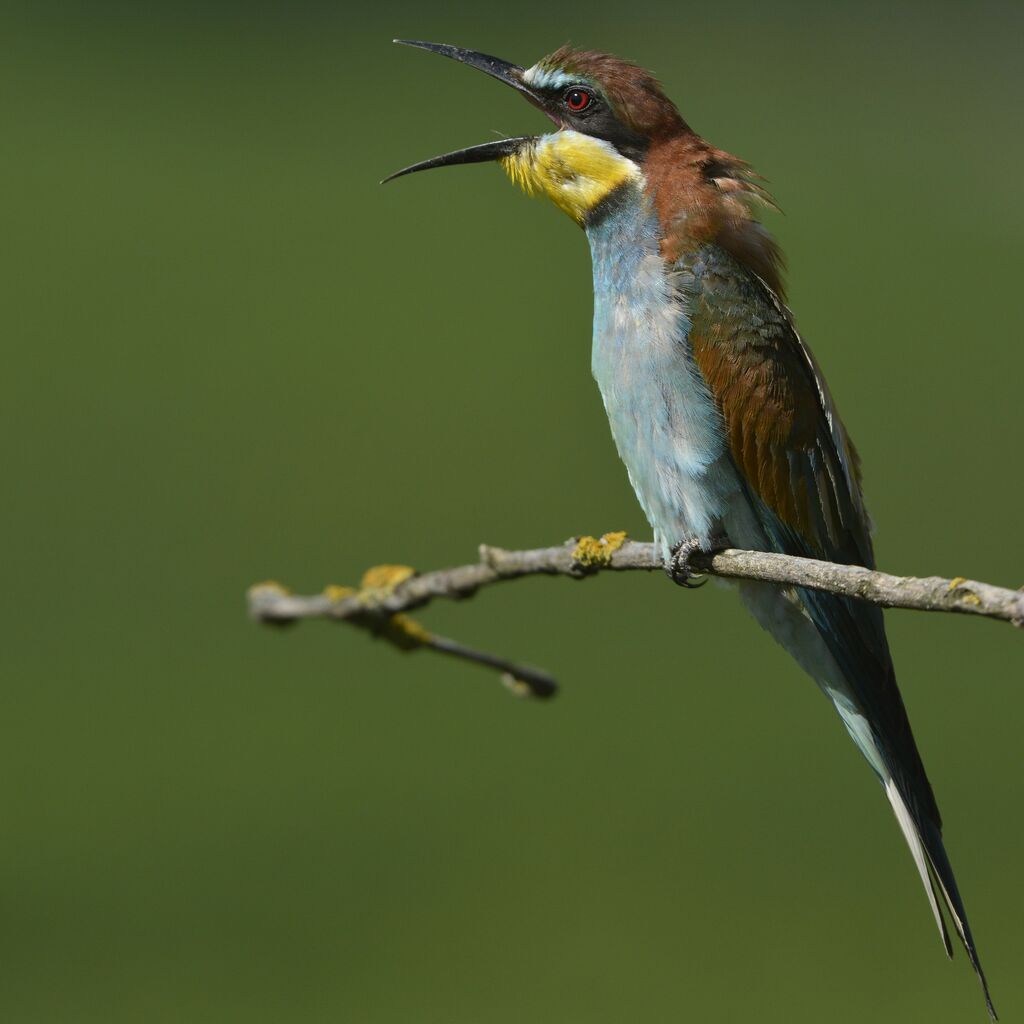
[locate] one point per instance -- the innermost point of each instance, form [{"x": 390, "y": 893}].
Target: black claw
[{"x": 679, "y": 567}]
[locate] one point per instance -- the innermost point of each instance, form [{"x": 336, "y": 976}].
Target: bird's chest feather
[{"x": 666, "y": 425}]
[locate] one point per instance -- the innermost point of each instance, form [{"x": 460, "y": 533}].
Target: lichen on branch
[{"x": 387, "y": 592}]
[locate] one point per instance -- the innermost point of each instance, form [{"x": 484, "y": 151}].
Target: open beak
[{"x": 510, "y": 74}]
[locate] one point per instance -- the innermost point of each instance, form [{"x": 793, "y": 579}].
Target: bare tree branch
[{"x": 388, "y": 592}]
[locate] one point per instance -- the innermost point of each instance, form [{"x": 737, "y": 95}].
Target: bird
[{"x": 718, "y": 409}]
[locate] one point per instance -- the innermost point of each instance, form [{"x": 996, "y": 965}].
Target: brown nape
[
  {"x": 635, "y": 95},
  {"x": 703, "y": 194}
]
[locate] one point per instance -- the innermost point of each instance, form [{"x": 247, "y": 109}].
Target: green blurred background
[{"x": 232, "y": 356}]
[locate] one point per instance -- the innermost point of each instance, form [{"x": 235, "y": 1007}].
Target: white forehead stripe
[{"x": 546, "y": 78}]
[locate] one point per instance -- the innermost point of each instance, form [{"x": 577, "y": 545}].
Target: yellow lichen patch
[
  {"x": 406, "y": 633},
  {"x": 966, "y": 596},
  {"x": 575, "y": 171},
  {"x": 334, "y": 593},
  {"x": 593, "y": 551},
  {"x": 384, "y": 578}
]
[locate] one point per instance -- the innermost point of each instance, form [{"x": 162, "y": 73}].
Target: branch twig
[{"x": 387, "y": 592}]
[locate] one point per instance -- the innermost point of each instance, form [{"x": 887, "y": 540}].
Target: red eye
[{"x": 578, "y": 99}]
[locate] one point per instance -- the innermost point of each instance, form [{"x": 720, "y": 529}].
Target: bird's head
[
  {"x": 614, "y": 127},
  {"x": 606, "y": 111}
]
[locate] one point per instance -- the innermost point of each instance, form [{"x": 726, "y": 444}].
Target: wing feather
[
  {"x": 803, "y": 476},
  {"x": 790, "y": 446}
]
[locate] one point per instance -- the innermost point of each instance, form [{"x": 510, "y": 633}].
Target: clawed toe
[{"x": 679, "y": 567}]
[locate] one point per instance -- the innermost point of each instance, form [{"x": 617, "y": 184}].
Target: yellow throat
[{"x": 575, "y": 171}]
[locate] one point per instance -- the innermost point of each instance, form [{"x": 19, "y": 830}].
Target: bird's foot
[{"x": 679, "y": 565}]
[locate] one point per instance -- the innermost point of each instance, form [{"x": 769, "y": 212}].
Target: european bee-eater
[{"x": 717, "y": 407}]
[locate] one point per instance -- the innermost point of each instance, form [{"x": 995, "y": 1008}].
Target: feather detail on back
[{"x": 703, "y": 194}]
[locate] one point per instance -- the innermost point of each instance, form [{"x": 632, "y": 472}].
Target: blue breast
[{"x": 665, "y": 424}]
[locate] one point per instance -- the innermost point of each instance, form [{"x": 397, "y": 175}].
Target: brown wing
[
  {"x": 787, "y": 441},
  {"x": 789, "y": 445},
  {"x": 781, "y": 424}
]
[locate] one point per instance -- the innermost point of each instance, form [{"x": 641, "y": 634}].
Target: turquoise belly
[{"x": 665, "y": 424}]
